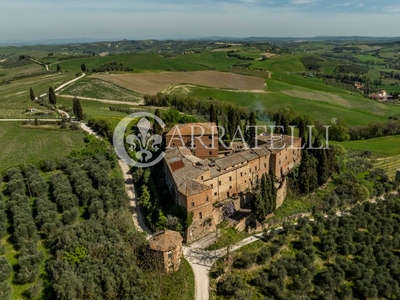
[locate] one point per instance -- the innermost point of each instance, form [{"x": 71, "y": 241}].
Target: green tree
[
  {"x": 259, "y": 208},
  {"x": 32, "y": 94},
  {"x": 157, "y": 127},
  {"x": 52, "y": 96},
  {"x": 77, "y": 108},
  {"x": 213, "y": 114},
  {"x": 144, "y": 199},
  {"x": 5, "y": 269},
  {"x": 251, "y": 132},
  {"x": 308, "y": 177},
  {"x": 83, "y": 67},
  {"x": 58, "y": 68}
]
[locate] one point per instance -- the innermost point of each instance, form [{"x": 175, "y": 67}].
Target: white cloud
[
  {"x": 391, "y": 8},
  {"x": 299, "y": 2}
]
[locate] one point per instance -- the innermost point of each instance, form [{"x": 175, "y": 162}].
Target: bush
[
  {"x": 263, "y": 255},
  {"x": 35, "y": 290},
  {"x": 70, "y": 216},
  {"x": 48, "y": 165},
  {"x": 5, "y": 269},
  {"x": 230, "y": 286},
  {"x": 245, "y": 260}
]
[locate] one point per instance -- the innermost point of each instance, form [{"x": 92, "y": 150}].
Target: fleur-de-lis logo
[{"x": 144, "y": 141}]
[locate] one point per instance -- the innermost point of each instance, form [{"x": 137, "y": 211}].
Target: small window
[
  {"x": 200, "y": 215},
  {"x": 215, "y": 193},
  {"x": 245, "y": 181},
  {"x": 249, "y": 171},
  {"x": 173, "y": 144},
  {"x": 265, "y": 165},
  {"x": 210, "y": 152},
  {"x": 202, "y": 177},
  {"x": 192, "y": 204},
  {"x": 255, "y": 168},
  {"x": 230, "y": 187},
  {"x": 210, "y": 145},
  {"x": 219, "y": 182},
  {"x": 212, "y": 185},
  {"x": 207, "y": 199},
  {"x": 241, "y": 174},
  {"x": 230, "y": 178}
]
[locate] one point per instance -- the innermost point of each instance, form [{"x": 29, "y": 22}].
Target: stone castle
[{"x": 202, "y": 181}]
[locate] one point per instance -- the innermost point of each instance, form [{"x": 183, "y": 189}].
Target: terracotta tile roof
[
  {"x": 249, "y": 155},
  {"x": 185, "y": 167},
  {"x": 262, "y": 150},
  {"x": 165, "y": 241},
  {"x": 194, "y": 187},
  {"x": 230, "y": 161},
  {"x": 176, "y": 165},
  {"x": 190, "y": 167}
]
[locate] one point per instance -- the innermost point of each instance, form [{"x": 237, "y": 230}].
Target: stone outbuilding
[{"x": 167, "y": 249}]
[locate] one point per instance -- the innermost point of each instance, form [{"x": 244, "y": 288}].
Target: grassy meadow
[{"x": 26, "y": 145}]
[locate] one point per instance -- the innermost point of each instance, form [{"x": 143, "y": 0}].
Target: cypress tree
[
  {"x": 308, "y": 177},
  {"x": 213, "y": 114},
  {"x": 273, "y": 190},
  {"x": 58, "y": 68},
  {"x": 232, "y": 122},
  {"x": 77, "y": 109},
  {"x": 83, "y": 67},
  {"x": 259, "y": 208},
  {"x": 52, "y": 96},
  {"x": 31, "y": 94},
  {"x": 323, "y": 167},
  {"x": 277, "y": 123},
  {"x": 284, "y": 122},
  {"x": 251, "y": 133},
  {"x": 264, "y": 186},
  {"x": 157, "y": 127}
]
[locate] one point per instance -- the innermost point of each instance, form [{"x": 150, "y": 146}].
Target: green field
[
  {"x": 321, "y": 106},
  {"x": 99, "y": 89},
  {"x": 386, "y": 150},
  {"x": 382, "y": 147},
  {"x": 23, "y": 145},
  {"x": 365, "y": 58},
  {"x": 14, "y": 97},
  {"x": 154, "y": 62}
]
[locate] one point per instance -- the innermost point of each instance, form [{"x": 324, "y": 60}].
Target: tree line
[
  {"x": 348, "y": 257},
  {"x": 80, "y": 214}
]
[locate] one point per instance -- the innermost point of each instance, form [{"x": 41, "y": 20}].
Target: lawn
[
  {"x": 382, "y": 147},
  {"x": 25, "y": 145}
]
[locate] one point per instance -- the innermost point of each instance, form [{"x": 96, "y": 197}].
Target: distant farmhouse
[{"x": 201, "y": 181}]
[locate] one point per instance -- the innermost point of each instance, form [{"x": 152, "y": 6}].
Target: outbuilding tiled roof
[{"x": 166, "y": 241}]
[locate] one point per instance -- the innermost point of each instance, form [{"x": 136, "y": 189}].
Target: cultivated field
[
  {"x": 26, "y": 145},
  {"x": 100, "y": 89},
  {"x": 152, "y": 83}
]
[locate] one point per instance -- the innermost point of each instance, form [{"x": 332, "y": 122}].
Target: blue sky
[{"x": 46, "y": 19}]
